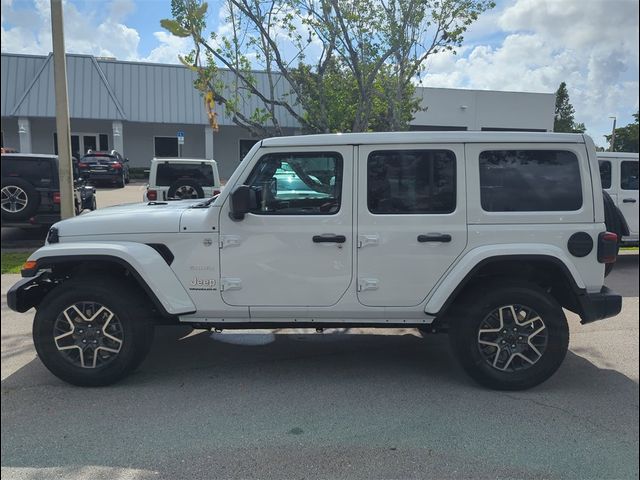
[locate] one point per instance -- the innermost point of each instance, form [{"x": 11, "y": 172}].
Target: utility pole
[
  {"x": 613, "y": 135},
  {"x": 65, "y": 168}
]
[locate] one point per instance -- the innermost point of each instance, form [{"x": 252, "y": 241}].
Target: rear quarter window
[
  {"x": 605, "y": 173},
  {"x": 530, "y": 181}
]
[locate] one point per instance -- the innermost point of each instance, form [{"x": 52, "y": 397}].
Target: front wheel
[
  {"x": 509, "y": 336},
  {"x": 92, "y": 332}
]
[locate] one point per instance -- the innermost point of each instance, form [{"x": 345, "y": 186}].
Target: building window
[
  {"x": 530, "y": 181},
  {"x": 245, "y": 146},
  {"x": 103, "y": 140},
  {"x": 411, "y": 182},
  {"x": 165, "y": 147}
]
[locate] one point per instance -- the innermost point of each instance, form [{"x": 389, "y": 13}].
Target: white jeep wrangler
[
  {"x": 181, "y": 179},
  {"x": 486, "y": 236}
]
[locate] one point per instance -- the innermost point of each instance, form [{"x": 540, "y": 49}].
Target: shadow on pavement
[
  {"x": 298, "y": 404},
  {"x": 624, "y": 278}
]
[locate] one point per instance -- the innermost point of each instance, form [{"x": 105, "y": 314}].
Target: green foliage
[
  {"x": 626, "y": 137},
  {"x": 362, "y": 80},
  {"x": 12, "y": 261},
  {"x": 564, "y": 114}
]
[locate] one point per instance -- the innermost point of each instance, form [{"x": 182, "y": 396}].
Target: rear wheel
[
  {"x": 92, "y": 332},
  {"x": 18, "y": 199},
  {"x": 509, "y": 336}
]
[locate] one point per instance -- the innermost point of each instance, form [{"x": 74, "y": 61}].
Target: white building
[{"x": 139, "y": 108}]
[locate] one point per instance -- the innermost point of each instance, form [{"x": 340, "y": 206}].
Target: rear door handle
[
  {"x": 434, "y": 237},
  {"x": 629, "y": 200},
  {"x": 329, "y": 238}
]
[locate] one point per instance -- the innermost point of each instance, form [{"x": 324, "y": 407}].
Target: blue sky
[{"x": 521, "y": 45}]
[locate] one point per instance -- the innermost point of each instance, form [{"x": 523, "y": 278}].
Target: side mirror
[{"x": 242, "y": 201}]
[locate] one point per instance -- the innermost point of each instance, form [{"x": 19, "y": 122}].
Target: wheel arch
[
  {"x": 146, "y": 266},
  {"x": 547, "y": 271}
]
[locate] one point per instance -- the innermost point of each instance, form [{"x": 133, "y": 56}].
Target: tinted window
[
  {"x": 629, "y": 175},
  {"x": 298, "y": 184},
  {"x": 167, "y": 173},
  {"x": 530, "y": 180},
  {"x": 411, "y": 181},
  {"x": 41, "y": 172},
  {"x": 605, "y": 173}
]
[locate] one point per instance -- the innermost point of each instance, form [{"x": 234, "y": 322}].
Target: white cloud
[
  {"x": 592, "y": 45},
  {"x": 169, "y": 48}
]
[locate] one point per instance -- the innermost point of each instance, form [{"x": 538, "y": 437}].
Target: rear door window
[
  {"x": 530, "y": 181},
  {"x": 629, "y": 175},
  {"x": 411, "y": 182},
  {"x": 168, "y": 173}
]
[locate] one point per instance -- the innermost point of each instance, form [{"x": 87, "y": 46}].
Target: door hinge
[
  {"x": 364, "y": 240},
  {"x": 227, "y": 284},
  {"x": 229, "y": 240},
  {"x": 367, "y": 284}
]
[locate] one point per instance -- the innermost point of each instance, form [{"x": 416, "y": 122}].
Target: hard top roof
[{"x": 422, "y": 137}]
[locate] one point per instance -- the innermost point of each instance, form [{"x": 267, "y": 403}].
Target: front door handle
[
  {"x": 329, "y": 238},
  {"x": 434, "y": 237},
  {"x": 629, "y": 200}
]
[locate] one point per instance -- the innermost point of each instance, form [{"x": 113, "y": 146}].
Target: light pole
[
  {"x": 613, "y": 135},
  {"x": 65, "y": 169}
]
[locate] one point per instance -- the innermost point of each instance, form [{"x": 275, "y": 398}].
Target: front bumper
[
  {"x": 28, "y": 292},
  {"x": 598, "y": 306}
]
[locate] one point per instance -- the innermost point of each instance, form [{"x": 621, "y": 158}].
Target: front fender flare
[{"x": 142, "y": 261}]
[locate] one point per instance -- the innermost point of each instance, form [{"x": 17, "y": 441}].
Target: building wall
[
  {"x": 478, "y": 109},
  {"x": 10, "y": 133},
  {"x": 139, "y": 144}
]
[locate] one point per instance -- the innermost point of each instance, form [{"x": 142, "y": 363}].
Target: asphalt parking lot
[{"x": 365, "y": 404}]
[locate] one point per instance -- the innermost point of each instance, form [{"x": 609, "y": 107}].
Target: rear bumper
[
  {"x": 598, "y": 306},
  {"x": 99, "y": 176}
]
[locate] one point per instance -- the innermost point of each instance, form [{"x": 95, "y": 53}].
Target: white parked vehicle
[
  {"x": 619, "y": 175},
  {"x": 182, "y": 178},
  {"x": 486, "y": 236}
]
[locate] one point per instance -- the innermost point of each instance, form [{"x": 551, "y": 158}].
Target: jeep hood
[{"x": 161, "y": 217}]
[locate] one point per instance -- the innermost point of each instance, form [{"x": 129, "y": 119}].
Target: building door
[
  {"x": 411, "y": 220},
  {"x": 295, "y": 248}
]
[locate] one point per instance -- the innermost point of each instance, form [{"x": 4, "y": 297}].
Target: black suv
[
  {"x": 105, "y": 167},
  {"x": 30, "y": 192}
]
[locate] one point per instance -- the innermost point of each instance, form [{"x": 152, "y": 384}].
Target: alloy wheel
[
  {"x": 13, "y": 199},
  {"x": 512, "y": 338},
  {"x": 88, "y": 334}
]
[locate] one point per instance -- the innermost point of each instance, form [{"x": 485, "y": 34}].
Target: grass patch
[{"x": 12, "y": 261}]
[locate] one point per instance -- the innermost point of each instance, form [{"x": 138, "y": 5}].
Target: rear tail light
[
  {"x": 82, "y": 165},
  {"x": 56, "y": 198},
  {"x": 116, "y": 165},
  {"x": 607, "y": 247},
  {"x": 152, "y": 195}
]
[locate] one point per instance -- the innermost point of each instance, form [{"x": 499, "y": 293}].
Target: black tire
[
  {"x": 25, "y": 192},
  {"x": 94, "y": 203},
  {"x": 121, "y": 182},
  {"x": 188, "y": 185},
  {"x": 478, "y": 306},
  {"x": 131, "y": 313}
]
